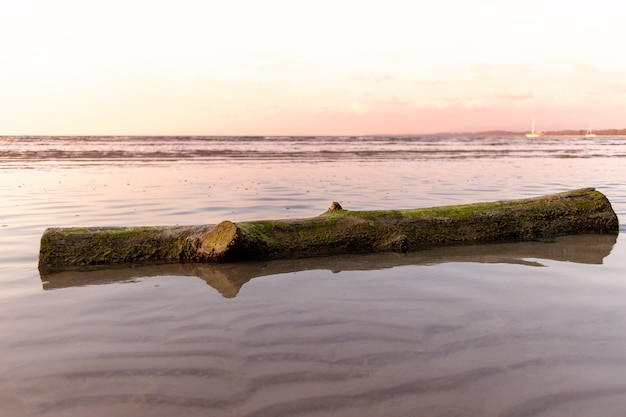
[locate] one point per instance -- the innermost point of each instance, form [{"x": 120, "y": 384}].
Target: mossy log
[{"x": 335, "y": 231}]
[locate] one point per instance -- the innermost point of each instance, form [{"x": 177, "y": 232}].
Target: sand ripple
[{"x": 402, "y": 350}]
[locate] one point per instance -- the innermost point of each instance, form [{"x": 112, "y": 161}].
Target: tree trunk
[{"x": 335, "y": 231}]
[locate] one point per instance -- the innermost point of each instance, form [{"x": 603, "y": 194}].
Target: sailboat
[
  {"x": 590, "y": 133},
  {"x": 532, "y": 133}
]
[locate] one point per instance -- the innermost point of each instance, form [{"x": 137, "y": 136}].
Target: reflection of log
[
  {"x": 228, "y": 278},
  {"x": 335, "y": 231}
]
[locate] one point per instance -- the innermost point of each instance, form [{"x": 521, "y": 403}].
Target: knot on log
[
  {"x": 334, "y": 206},
  {"x": 399, "y": 243}
]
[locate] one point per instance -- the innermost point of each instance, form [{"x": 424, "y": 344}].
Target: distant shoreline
[{"x": 581, "y": 132}]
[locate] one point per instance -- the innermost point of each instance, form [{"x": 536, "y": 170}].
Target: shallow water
[{"x": 529, "y": 329}]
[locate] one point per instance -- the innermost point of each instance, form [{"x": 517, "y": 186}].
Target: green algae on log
[{"x": 335, "y": 231}]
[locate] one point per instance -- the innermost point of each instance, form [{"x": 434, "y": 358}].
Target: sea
[{"x": 506, "y": 329}]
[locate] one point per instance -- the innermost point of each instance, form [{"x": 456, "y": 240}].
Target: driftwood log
[{"x": 335, "y": 231}]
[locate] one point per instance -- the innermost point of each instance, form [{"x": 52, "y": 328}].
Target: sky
[{"x": 324, "y": 67}]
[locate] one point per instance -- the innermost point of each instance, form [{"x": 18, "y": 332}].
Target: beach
[{"x": 514, "y": 329}]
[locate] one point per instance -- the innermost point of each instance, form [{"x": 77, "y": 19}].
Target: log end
[{"x": 51, "y": 248}]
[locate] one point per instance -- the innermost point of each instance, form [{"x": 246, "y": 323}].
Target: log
[{"x": 335, "y": 231}]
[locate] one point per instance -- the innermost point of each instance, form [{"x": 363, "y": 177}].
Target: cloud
[
  {"x": 433, "y": 82},
  {"x": 276, "y": 62},
  {"x": 458, "y": 103},
  {"x": 522, "y": 92},
  {"x": 372, "y": 78},
  {"x": 358, "y": 107}
]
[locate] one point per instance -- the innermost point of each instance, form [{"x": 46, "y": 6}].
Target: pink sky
[{"x": 277, "y": 67}]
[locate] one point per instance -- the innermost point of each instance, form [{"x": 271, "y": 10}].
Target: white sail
[
  {"x": 590, "y": 133},
  {"x": 532, "y": 133}
]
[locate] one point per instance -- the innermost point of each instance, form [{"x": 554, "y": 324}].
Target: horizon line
[{"x": 559, "y": 132}]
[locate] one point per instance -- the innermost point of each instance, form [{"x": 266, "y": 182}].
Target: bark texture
[{"x": 335, "y": 231}]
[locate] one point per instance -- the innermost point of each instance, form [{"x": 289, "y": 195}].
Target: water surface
[{"x": 529, "y": 329}]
